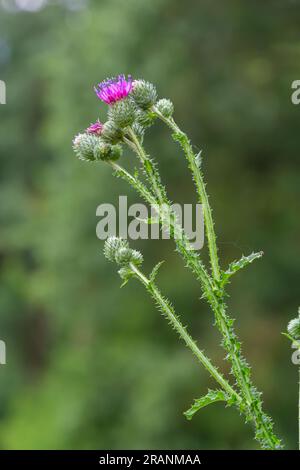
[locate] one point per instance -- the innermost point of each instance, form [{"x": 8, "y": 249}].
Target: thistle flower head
[
  {"x": 84, "y": 146},
  {"x": 111, "y": 133},
  {"x": 112, "y": 246},
  {"x": 90, "y": 147},
  {"x": 107, "y": 152},
  {"x": 144, "y": 94},
  {"x": 122, "y": 113},
  {"x": 165, "y": 107},
  {"x": 95, "y": 128},
  {"x": 114, "y": 89}
]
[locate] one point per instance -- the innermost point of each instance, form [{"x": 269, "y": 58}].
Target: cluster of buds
[
  {"x": 130, "y": 105},
  {"x": 90, "y": 147},
  {"x": 118, "y": 250}
]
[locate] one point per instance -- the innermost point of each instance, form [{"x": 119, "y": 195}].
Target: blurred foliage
[{"x": 92, "y": 366}]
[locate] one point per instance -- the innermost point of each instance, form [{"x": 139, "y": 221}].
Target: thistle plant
[{"x": 133, "y": 107}]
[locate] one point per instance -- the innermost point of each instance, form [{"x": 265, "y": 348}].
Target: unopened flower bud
[
  {"x": 125, "y": 273},
  {"x": 122, "y": 113},
  {"x": 165, "y": 107},
  {"x": 294, "y": 328},
  {"x": 111, "y": 133},
  {"x": 136, "y": 257},
  {"x": 123, "y": 256},
  {"x": 144, "y": 94},
  {"x": 116, "y": 249},
  {"x": 84, "y": 146}
]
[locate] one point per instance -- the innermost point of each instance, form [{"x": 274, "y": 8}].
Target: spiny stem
[
  {"x": 169, "y": 220},
  {"x": 240, "y": 369},
  {"x": 149, "y": 168},
  {"x": 200, "y": 188},
  {"x": 134, "y": 182},
  {"x": 169, "y": 312}
]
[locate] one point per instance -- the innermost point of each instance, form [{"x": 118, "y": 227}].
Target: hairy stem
[
  {"x": 200, "y": 188},
  {"x": 149, "y": 168}
]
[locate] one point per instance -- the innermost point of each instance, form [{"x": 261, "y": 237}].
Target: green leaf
[
  {"x": 237, "y": 265},
  {"x": 154, "y": 271},
  {"x": 211, "y": 397}
]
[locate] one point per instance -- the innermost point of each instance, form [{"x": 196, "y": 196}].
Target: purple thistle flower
[
  {"x": 95, "y": 128},
  {"x": 114, "y": 89}
]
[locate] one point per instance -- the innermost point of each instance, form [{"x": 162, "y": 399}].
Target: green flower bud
[
  {"x": 84, "y": 146},
  {"x": 144, "y": 94},
  {"x": 111, "y": 133},
  {"x": 125, "y": 273},
  {"x": 294, "y": 328},
  {"x": 122, "y": 113},
  {"x": 106, "y": 152},
  {"x": 116, "y": 249},
  {"x": 165, "y": 107},
  {"x": 123, "y": 256},
  {"x": 136, "y": 257}
]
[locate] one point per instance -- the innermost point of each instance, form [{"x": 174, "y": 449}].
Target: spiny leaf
[
  {"x": 237, "y": 265},
  {"x": 211, "y": 397},
  {"x": 154, "y": 271}
]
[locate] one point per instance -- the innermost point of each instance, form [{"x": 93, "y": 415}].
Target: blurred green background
[{"x": 90, "y": 365}]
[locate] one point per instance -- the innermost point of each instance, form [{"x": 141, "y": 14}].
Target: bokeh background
[{"x": 90, "y": 365}]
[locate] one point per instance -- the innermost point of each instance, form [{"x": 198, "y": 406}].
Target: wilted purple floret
[
  {"x": 114, "y": 89},
  {"x": 95, "y": 128}
]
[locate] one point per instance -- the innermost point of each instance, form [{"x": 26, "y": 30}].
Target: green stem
[
  {"x": 200, "y": 188},
  {"x": 170, "y": 314}
]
